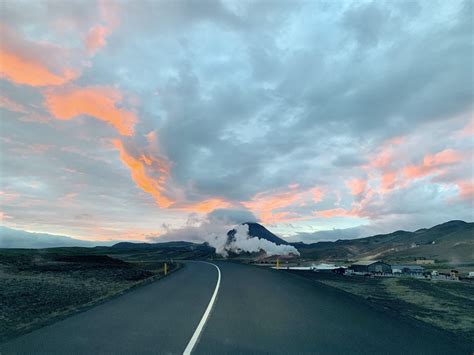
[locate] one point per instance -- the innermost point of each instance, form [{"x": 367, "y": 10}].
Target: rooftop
[{"x": 366, "y": 262}]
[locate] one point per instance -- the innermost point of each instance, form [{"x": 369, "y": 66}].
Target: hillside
[{"x": 451, "y": 242}]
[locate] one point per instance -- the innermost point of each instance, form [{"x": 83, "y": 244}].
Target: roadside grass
[
  {"x": 38, "y": 287},
  {"x": 447, "y": 305}
]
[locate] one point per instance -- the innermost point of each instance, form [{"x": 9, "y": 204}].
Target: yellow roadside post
[
  {"x": 166, "y": 268},
  {"x": 278, "y": 263}
]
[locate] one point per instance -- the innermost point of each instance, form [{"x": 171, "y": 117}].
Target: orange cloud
[
  {"x": 140, "y": 167},
  {"x": 32, "y": 63},
  {"x": 22, "y": 70},
  {"x": 432, "y": 164},
  {"x": 357, "y": 186},
  {"x": 98, "y": 102},
  {"x": 267, "y": 204},
  {"x": 205, "y": 206}
]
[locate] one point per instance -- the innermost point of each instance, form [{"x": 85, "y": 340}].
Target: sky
[{"x": 131, "y": 120}]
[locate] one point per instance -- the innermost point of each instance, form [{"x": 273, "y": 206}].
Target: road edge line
[{"x": 197, "y": 333}]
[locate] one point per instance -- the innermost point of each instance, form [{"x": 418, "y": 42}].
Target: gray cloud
[
  {"x": 245, "y": 99},
  {"x": 232, "y": 216}
]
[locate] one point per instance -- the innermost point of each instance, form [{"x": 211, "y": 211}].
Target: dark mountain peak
[{"x": 257, "y": 230}]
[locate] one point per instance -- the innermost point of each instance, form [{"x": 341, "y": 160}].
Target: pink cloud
[
  {"x": 388, "y": 180},
  {"x": 357, "y": 186},
  {"x": 97, "y": 36},
  {"x": 432, "y": 163},
  {"x": 335, "y": 212},
  {"x": 96, "y": 39},
  {"x": 466, "y": 190}
]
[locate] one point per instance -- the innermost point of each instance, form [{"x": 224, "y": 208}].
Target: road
[{"x": 255, "y": 311}]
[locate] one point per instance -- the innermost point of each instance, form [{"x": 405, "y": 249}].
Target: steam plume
[{"x": 226, "y": 234}]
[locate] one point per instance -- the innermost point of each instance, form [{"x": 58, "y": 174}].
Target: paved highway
[{"x": 250, "y": 310}]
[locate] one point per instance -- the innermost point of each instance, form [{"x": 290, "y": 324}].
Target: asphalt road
[{"x": 256, "y": 311}]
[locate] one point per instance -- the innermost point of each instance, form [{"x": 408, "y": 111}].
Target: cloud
[
  {"x": 269, "y": 115},
  {"x": 96, "y": 38},
  {"x": 357, "y": 186},
  {"x": 466, "y": 190},
  {"x": 203, "y": 206},
  {"x": 98, "y": 102},
  {"x": 30, "y": 63},
  {"x": 268, "y": 204},
  {"x": 232, "y": 216},
  {"x": 148, "y": 172},
  {"x": 432, "y": 164},
  {"x": 334, "y": 212},
  {"x": 10, "y": 105}
]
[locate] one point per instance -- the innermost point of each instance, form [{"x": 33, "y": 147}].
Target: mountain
[
  {"x": 14, "y": 238},
  {"x": 166, "y": 245},
  {"x": 257, "y": 230},
  {"x": 166, "y": 250},
  {"x": 451, "y": 242}
]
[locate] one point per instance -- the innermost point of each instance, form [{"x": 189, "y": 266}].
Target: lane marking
[{"x": 197, "y": 333}]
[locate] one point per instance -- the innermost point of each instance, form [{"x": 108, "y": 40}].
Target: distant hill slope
[
  {"x": 451, "y": 242},
  {"x": 166, "y": 245},
  {"x": 14, "y": 238}
]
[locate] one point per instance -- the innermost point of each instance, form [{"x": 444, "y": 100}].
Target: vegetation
[
  {"x": 448, "y": 305},
  {"x": 451, "y": 243}
]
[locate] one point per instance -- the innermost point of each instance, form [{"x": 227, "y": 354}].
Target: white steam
[
  {"x": 243, "y": 242},
  {"x": 213, "y": 229}
]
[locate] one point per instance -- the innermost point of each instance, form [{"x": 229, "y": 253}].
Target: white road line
[{"x": 197, "y": 333}]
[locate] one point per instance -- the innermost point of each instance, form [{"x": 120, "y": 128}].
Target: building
[
  {"x": 413, "y": 270},
  {"x": 372, "y": 267},
  {"x": 323, "y": 267}
]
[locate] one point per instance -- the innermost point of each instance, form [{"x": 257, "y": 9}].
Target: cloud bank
[{"x": 123, "y": 119}]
